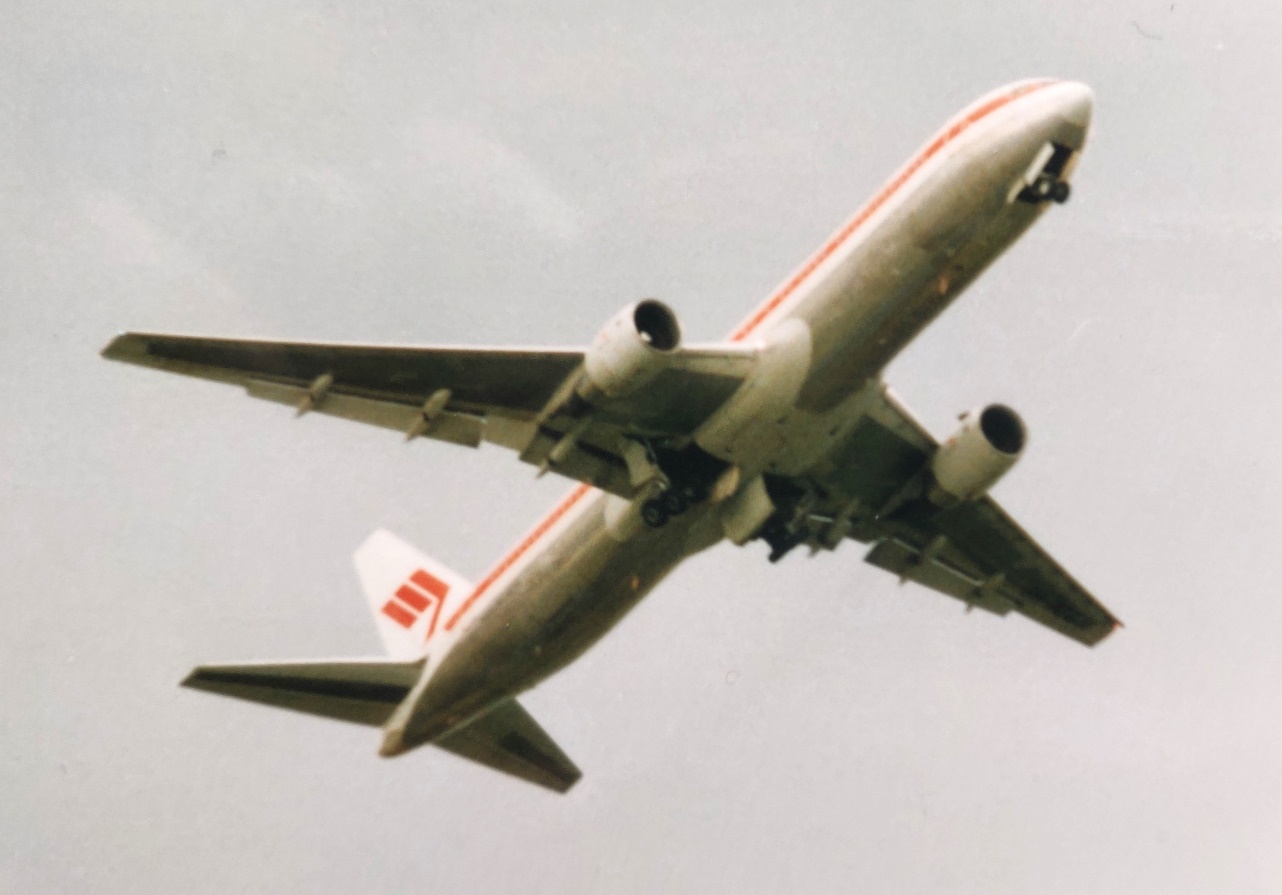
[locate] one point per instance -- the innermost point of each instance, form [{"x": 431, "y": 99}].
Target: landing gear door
[{"x": 1044, "y": 179}]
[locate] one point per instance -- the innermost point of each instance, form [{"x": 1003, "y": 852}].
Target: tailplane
[
  {"x": 363, "y": 691},
  {"x": 367, "y": 691},
  {"x": 409, "y": 594}
]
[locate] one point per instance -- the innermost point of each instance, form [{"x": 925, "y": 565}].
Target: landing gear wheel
[
  {"x": 695, "y": 493},
  {"x": 674, "y": 502},
  {"x": 1042, "y": 188},
  {"x": 653, "y": 514},
  {"x": 1060, "y": 192}
]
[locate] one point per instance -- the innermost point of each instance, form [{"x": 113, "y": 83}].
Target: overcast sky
[{"x": 481, "y": 173}]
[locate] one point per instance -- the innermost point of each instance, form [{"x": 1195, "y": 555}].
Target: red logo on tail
[{"x": 421, "y": 593}]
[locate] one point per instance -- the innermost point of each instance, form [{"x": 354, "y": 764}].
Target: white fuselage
[{"x": 822, "y": 340}]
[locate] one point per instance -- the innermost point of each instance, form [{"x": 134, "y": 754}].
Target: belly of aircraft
[
  {"x": 578, "y": 588},
  {"x": 948, "y": 225}
]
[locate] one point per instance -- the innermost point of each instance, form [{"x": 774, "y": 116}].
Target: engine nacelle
[
  {"x": 630, "y": 349},
  {"x": 977, "y": 455}
]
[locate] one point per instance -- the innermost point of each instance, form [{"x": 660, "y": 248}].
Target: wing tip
[
  {"x": 197, "y": 678},
  {"x": 1101, "y": 634},
  {"x": 119, "y": 347},
  {"x": 565, "y": 783},
  {"x": 129, "y": 348}
]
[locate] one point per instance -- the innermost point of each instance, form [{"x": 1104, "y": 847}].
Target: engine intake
[
  {"x": 630, "y": 349},
  {"x": 969, "y": 463}
]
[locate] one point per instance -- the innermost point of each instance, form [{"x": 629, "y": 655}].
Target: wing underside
[
  {"x": 973, "y": 551},
  {"x": 505, "y": 396}
]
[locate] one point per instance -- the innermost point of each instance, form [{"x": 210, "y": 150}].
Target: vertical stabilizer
[{"x": 409, "y": 593}]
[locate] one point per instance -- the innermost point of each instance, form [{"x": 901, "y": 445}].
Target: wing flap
[
  {"x": 464, "y": 429},
  {"x": 914, "y": 565},
  {"x": 1039, "y": 586},
  {"x": 975, "y": 552}
]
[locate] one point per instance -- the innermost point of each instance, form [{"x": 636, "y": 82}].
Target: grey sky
[{"x": 418, "y": 172}]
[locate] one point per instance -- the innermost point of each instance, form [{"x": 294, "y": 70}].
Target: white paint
[{"x": 747, "y": 431}]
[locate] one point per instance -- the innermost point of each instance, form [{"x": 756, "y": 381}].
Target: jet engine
[
  {"x": 977, "y": 455},
  {"x": 630, "y": 349}
]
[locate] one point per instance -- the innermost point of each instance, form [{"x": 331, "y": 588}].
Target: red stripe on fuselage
[
  {"x": 508, "y": 561},
  {"x": 946, "y": 136}
]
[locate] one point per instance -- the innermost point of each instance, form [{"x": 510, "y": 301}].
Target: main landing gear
[
  {"x": 677, "y": 479},
  {"x": 656, "y": 511},
  {"x": 790, "y": 524}
]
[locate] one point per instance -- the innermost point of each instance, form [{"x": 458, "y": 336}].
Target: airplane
[{"x": 785, "y": 432}]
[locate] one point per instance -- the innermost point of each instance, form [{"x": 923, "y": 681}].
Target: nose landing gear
[
  {"x": 675, "y": 479},
  {"x": 656, "y": 511},
  {"x": 1044, "y": 180}
]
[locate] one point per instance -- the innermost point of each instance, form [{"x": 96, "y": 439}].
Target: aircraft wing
[
  {"x": 510, "y": 397},
  {"x": 973, "y": 550},
  {"x": 367, "y": 691}
]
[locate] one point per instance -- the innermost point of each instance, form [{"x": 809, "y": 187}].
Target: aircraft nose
[{"x": 1075, "y": 103}]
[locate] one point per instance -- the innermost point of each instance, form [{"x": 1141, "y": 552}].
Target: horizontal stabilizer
[
  {"x": 364, "y": 691},
  {"x": 507, "y": 739},
  {"x": 367, "y": 691}
]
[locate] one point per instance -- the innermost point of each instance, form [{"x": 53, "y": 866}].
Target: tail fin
[{"x": 408, "y": 593}]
